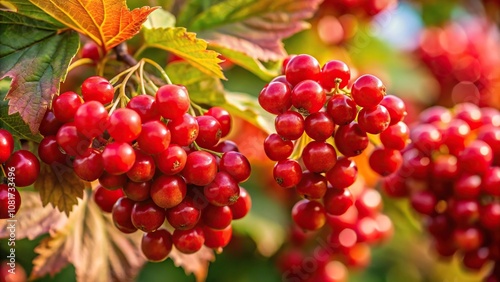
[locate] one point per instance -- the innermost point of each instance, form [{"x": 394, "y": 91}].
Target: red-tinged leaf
[
  {"x": 59, "y": 186},
  {"x": 107, "y": 22},
  {"x": 32, "y": 219},
  {"x": 36, "y": 57},
  {"x": 196, "y": 263},
  {"x": 255, "y": 28},
  {"x": 89, "y": 241}
]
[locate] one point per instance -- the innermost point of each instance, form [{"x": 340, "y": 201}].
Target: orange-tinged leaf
[
  {"x": 90, "y": 241},
  {"x": 107, "y": 22},
  {"x": 59, "y": 186}
]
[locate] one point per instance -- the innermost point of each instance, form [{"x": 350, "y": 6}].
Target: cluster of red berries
[
  {"x": 346, "y": 244},
  {"x": 451, "y": 174},
  {"x": 460, "y": 58},
  {"x": 339, "y": 123},
  {"x": 153, "y": 161},
  {"x": 20, "y": 168}
]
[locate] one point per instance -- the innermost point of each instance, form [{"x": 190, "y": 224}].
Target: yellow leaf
[
  {"x": 59, "y": 186},
  {"x": 107, "y": 22}
]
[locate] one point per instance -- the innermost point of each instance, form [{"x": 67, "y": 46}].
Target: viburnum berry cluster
[
  {"x": 325, "y": 256},
  {"x": 322, "y": 122},
  {"x": 20, "y": 168},
  {"x": 154, "y": 162},
  {"x": 320, "y": 125},
  {"x": 451, "y": 174}
]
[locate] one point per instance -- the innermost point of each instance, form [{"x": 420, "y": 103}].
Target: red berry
[
  {"x": 331, "y": 72},
  {"x": 65, "y": 106},
  {"x": 319, "y": 126},
  {"x": 276, "y": 97},
  {"x": 223, "y": 117},
  {"x": 374, "y": 120},
  {"x": 6, "y": 145},
  {"x": 188, "y": 241},
  {"x": 97, "y": 88},
  {"x": 137, "y": 191},
  {"x": 289, "y": 125},
  {"x": 302, "y": 67},
  {"x": 236, "y": 164},
  {"x": 476, "y": 157},
  {"x": 308, "y": 97},
  {"x": 287, "y": 173},
  {"x": 111, "y": 181},
  {"x": 172, "y": 100},
  {"x": 121, "y": 214},
  {"x": 90, "y": 50},
  {"x": 242, "y": 206},
  {"x": 168, "y": 191},
  {"x": 491, "y": 181},
  {"x": 106, "y": 199},
  {"x": 217, "y": 217},
  {"x": 10, "y": 201},
  {"x": 395, "y": 136},
  {"x": 144, "y": 167},
  {"x": 172, "y": 160},
  {"x": 147, "y": 216},
  {"x": 118, "y": 157},
  {"x": 368, "y": 91},
  {"x": 49, "y": 151},
  {"x": 184, "y": 130},
  {"x": 223, "y": 190},
  {"x": 89, "y": 166},
  {"x": 200, "y": 169},
  {"x": 91, "y": 119},
  {"x": 351, "y": 140},
  {"x": 50, "y": 124},
  {"x": 319, "y": 156},
  {"x": 311, "y": 186},
  {"x": 385, "y": 161},
  {"x": 337, "y": 200},
  {"x": 145, "y": 106},
  {"x": 209, "y": 131},
  {"x": 217, "y": 239},
  {"x": 309, "y": 215},
  {"x": 343, "y": 174},
  {"x": 71, "y": 141},
  {"x": 157, "y": 245},
  {"x": 124, "y": 125},
  {"x": 342, "y": 109},
  {"x": 25, "y": 167},
  {"x": 154, "y": 138},
  {"x": 185, "y": 215},
  {"x": 396, "y": 108},
  {"x": 277, "y": 148}
]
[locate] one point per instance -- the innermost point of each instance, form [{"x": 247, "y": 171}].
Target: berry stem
[
  {"x": 198, "y": 148},
  {"x": 80, "y": 62},
  {"x": 159, "y": 68},
  {"x": 122, "y": 54}
]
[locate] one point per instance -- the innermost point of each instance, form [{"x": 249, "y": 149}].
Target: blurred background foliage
[{"x": 386, "y": 45}]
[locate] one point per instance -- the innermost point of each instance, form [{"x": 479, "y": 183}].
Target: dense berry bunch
[
  {"x": 451, "y": 174},
  {"x": 154, "y": 162},
  {"x": 345, "y": 244},
  {"x": 460, "y": 58},
  {"x": 322, "y": 123},
  {"x": 19, "y": 169}
]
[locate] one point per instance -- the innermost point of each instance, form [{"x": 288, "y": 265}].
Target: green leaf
[
  {"x": 36, "y": 58},
  {"x": 253, "y": 65},
  {"x": 36, "y": 16},
  {"x": 247, "y": 107},
  {"x": 185, "y": 45},
  {"x": 202, "y": 88},
  {"x": 160, "y": 18},
  {"x": 255, "y": 28}
]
